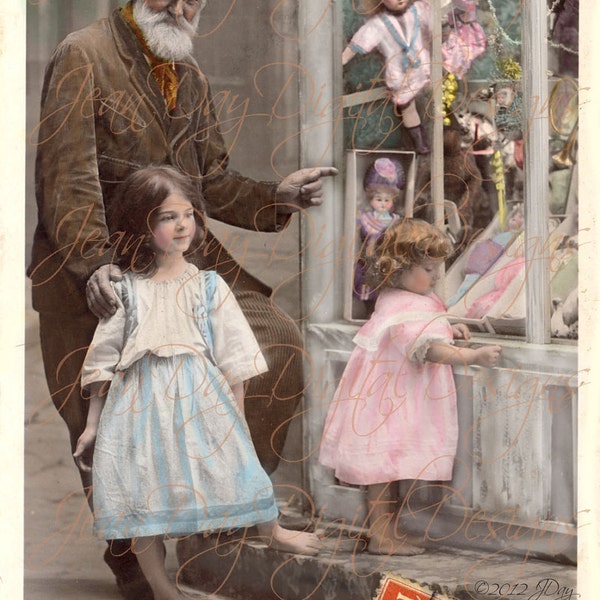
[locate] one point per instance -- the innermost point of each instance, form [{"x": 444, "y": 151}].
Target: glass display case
[{"x": 486, "y": 125}]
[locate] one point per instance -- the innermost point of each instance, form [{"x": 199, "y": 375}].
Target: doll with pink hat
[{"x": 383, "y": 183}]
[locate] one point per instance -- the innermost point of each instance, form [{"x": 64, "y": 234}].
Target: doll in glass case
[
  {"x": 383, "y": 183},
  {"x": 400, "y": 31}
]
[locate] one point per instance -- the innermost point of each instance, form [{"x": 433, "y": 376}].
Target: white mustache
[{"x": 181, "y": 21}]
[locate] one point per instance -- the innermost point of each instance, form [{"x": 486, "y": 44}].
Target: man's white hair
[{"x": 203, "y": 3}]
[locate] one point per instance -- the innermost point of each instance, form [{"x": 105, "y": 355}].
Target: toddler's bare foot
[
  {"x": 296, "y": 542},
  {"x": 391, "y": 546}
]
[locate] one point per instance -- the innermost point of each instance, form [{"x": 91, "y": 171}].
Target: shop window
[{"x": 512, "y": 226}]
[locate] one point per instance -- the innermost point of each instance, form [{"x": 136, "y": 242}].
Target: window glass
[
  {"x": 563, "y": 67},
  {"x": 389, "y": 99}
]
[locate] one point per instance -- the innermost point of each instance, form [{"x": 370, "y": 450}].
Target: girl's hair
[
  {"x": 405, "y": 244},
  {"x": 132, "y": 215}
]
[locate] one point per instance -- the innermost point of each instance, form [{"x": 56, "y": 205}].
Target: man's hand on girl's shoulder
[{"x": 99, "y": 293}]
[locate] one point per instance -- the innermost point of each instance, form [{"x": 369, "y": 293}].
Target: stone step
[{"x": 247, "y": 569}]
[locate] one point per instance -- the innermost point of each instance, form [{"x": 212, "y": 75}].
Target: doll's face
[
  {"x": 397, "y": 6},
  {"x": 504, "y": 96},
  {"x": 382, "y": 200},
  {"x": 516, "y": 221}
]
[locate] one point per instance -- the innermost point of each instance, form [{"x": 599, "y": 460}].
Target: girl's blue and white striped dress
[{"x": 173, "y": 454}]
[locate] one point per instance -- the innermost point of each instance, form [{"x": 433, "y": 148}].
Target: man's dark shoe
[{"x": 130, "y": 580}]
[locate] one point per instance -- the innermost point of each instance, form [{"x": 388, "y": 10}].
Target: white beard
[{"x": 165, "y": 40}]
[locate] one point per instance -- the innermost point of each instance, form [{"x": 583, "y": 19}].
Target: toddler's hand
[
  {"x": 488, "y": 356},
  {"x": 461, "y": 331}
]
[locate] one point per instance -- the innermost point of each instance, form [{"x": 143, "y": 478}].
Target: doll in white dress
[
  {"x": 400, "y": 30},
  {"x": 172, "y": 454}
]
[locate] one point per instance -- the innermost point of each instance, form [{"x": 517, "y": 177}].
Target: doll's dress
[
  {"x": 173, "y": 454},
  {"x": 393, "y": 415},
  {"x": 466, "y": 39},
  {"x": 404, "y": 43},
  {"x": 371, "y": 226},
  {"x": 482, "y": 257},
  {"x": 505, "y": 276}
]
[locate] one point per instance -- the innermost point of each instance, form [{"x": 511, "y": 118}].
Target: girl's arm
[
  {"x": 447, "y": 354},
  {"x": 238, "y": 392},
  {"x": 85, "y": 444}
]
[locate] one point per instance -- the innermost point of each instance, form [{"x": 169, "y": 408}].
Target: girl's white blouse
[{"x": 168, "y": 315}]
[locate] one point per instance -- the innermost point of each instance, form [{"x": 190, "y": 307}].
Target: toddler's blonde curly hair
[{"x": 405, "y": 244}]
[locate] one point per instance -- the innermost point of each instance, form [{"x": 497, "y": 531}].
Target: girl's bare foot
[
  {"x": 414, "y": 540},
  {"x": 150, "y": 553},
  {"x": 289, "y": 540},
  {"x": 392, "y": 546}
]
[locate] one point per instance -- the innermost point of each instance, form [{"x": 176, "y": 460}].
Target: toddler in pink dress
[{"x": 393, "y": 415}]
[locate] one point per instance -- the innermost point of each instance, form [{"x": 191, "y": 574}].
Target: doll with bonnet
[{"x": 383, "y": 182}]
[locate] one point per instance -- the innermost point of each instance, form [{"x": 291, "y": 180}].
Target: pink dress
[
  {"x": 393, "y": 415},
  {"x": 503, "y": 277}
]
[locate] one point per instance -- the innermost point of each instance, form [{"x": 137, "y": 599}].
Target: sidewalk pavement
[{"x": 62, "y": 559}]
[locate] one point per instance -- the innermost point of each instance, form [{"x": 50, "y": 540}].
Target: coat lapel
[{"x": 179, "y": 119}]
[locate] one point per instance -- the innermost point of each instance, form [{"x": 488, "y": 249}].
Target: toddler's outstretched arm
[{"x": 485, "y": 356}]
